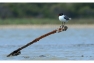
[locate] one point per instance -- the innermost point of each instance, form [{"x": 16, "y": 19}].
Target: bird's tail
[{"x": 69, "y": 18}]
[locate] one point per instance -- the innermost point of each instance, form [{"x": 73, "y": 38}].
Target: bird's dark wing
[{"x": 66, "y": 17}]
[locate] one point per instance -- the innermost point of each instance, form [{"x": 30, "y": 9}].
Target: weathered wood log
[{"x": 17, "y": 52}]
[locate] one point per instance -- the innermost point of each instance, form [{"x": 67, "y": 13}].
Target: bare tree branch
[{"x": 17, "y": 52}]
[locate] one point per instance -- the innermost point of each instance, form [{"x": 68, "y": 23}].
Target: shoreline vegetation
[
  {"x": 45, "y": 23},
  {"x": 17, "y": 21}
]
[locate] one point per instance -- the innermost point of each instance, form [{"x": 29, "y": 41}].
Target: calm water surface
[{"x": 73, "y": 44}]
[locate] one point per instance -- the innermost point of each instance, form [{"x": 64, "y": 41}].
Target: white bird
[{"x": 63, "y": 18}]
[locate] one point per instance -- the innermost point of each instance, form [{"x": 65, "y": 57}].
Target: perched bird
[{"x": 63, "y": 18}]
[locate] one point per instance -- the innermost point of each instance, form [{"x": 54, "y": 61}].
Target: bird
[{"x": 63, "y": 18}]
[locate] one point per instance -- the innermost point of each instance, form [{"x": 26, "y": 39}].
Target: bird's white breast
[{"x": 61, "y": 18}]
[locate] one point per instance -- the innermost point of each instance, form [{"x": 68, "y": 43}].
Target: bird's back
[{"x": 66, "y": 17}]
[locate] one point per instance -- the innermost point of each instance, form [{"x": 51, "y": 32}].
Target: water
[{"x": 73, "y": 44}]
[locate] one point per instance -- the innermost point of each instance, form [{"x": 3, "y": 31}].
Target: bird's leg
[{"x": 62, "y": 25}]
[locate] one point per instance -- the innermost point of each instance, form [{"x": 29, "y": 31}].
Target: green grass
[{"x": 43, "y": 21}]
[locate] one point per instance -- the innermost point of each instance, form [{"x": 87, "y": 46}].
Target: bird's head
[{"x": 60, "y": 14}]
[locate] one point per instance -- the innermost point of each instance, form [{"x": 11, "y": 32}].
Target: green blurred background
[{"x": 45, "y": 13}]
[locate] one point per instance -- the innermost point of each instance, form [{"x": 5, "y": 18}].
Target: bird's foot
[{"x": 62, "y": 28}]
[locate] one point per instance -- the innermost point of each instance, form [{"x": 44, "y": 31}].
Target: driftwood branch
[{"x": 17, "y": 52}]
